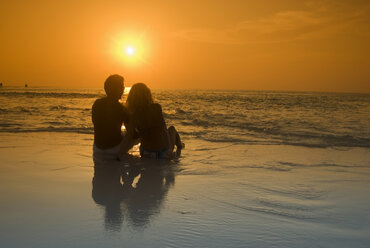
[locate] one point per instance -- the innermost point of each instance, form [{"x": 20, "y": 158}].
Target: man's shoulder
[
  {"x": 104, "y": 103},
  {"x": 102, "y": 100},
  {"x": 99, "y": 102}
]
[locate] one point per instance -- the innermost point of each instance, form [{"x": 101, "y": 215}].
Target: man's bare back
[{"x": 108, "y": 117}]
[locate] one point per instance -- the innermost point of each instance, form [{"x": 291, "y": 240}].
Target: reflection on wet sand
[{"x": 134, "y": 190}]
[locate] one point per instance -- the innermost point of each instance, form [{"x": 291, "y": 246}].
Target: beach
[
  {"x": 214, "y": 196},
  {"x": 260, "y": 169},
  {"x": 269, "y": 99}
]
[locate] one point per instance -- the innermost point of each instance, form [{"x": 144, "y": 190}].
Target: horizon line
[{"x": 195, "y": 89}]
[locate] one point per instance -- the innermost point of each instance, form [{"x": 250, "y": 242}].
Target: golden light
[
  {"x": 127, "y": 90},
  {"x": 130, "y": 48}
]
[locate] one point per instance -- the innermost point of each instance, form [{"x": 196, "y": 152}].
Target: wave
[
  {"x": 32, "y": 110},
  {"x": 245, "y": 136},
  {"x": 35, "y": 94},
  {"x": 83, "y": 130},
  {"x": 12, "y": 129},
  {"x": 314, "y": 141},
  {"x": 62, "y": 107},
  {"x": 238, "y": 130},
  {"x": 330, "y": 140},
  {"x": 297, "y": 165},
  {"x": 20, "y": 110}
]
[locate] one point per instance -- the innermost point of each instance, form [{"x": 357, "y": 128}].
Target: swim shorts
[{"x": 161, "y": 154}]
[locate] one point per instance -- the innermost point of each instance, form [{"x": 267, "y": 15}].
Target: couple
[{"x": 142, "y": 118}]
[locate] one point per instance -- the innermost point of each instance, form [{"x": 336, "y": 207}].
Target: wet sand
[{"x": 215, "y": 195}]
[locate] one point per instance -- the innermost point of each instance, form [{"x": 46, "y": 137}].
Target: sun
[{"x": 130, "y": 50}]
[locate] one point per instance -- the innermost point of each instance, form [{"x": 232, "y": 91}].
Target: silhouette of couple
[{"x": 142, "y": 118}]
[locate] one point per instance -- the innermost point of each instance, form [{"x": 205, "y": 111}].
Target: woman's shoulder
[{"x": 156, "y": 107}]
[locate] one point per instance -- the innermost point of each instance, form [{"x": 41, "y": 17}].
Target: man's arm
[
  {"x": 96, "y": 112},
  {"x": 129, "y": 140},
  {"x": 93, "y": 113}
]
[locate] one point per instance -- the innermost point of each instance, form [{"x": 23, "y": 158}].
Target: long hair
[{"x": 139, "y": 98}]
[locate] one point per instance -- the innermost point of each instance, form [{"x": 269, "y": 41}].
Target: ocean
[
  {"x": 260, "y": 169},
  {"x": 242, "y": 117}
]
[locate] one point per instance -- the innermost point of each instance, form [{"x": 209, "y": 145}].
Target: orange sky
[{"x": 222, "y": 44}]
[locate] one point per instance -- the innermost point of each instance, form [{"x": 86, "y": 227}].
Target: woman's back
[
  {"x": 151, "y": 127},
  {"x": 147, "y": 121}
]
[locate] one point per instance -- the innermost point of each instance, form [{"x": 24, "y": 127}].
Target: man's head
[{"x": 114, "y": 87}]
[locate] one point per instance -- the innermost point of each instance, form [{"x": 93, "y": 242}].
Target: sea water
[
  {"x": 260, "y": 169},
  {"x": 243, "y": 117}
]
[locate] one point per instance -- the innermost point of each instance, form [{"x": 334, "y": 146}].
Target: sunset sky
[{"x": 209, "y": 44}]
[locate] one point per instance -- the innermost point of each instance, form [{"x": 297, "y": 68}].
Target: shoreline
[{"x": 215, "y": 195}]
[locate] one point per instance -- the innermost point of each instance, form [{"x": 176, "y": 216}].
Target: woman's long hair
[{"x": 138, "y": 101}]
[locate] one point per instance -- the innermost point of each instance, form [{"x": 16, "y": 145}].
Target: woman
[{"x": 146, "y": 121}]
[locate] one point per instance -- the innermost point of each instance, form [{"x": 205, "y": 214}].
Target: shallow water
[
  {"x": 215, "y": 195},
  {"x": 260, "y": 169}
]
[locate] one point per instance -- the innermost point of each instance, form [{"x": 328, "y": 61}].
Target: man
[{"x": 108, "y": 115}]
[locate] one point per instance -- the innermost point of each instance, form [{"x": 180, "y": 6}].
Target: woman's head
[{"x": 139, "y": 97}]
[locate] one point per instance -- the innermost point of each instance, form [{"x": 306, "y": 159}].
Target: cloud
[
  {"x": 283, "y": 26},
  {"x": 322, "y": 18},
  {"x": 222, "y": 36}
]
